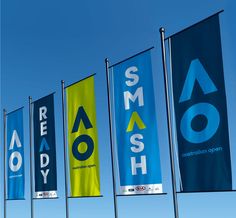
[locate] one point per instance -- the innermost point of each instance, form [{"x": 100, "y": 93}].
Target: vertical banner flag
[
  {"x": 44, "y": 148},
  {"x": 15, "y": 155},
  {"x": 83, "y": 139},
  {"x": 200, "y": 107},
  {"x": 135, "y": 125}
]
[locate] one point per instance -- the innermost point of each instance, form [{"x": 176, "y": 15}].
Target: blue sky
[{"x": 44, "y": 42}]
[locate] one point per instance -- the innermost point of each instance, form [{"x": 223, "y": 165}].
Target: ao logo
[
  {"x": 197, "y": 73},
  {"x": 82, "y": 156},
  {"x": 15, "y": 159}
]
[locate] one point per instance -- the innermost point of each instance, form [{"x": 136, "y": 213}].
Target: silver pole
[
  {"x": 4, "y": 159},
  {"x": 64, "y": 143},
  {"x": 171, "y": 147},
  {"x": 111, "y": 144},
  {"x": 31, "y": 160}
]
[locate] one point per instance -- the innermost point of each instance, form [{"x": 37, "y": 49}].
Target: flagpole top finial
[
  {"x": 162, "y": 29},
  {"x": 106, "y": 60}
]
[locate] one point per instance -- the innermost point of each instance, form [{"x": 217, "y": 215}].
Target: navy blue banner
[
  {"x": 45, "y": 148},
  {"x": 200, "y": 108},
  {"x": 15, "y": 156}
]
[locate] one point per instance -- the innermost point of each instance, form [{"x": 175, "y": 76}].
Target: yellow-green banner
[{"x": 82, "y": 139}]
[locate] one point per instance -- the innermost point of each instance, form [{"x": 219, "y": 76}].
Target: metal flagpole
[
  {"x": 31, "y": 160},
  {"x": 171, "y": 147},
  {"x": 4, "y": 159},
  {"x": 112, "y": 149},
  {"x": 64, "y": 143}
]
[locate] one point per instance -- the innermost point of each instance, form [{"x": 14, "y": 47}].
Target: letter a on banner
[
  {"x": 83, "y": 139},
  {"x": 135, "y": 125},
  {"x": 15, "y": 155},
  {"x": 200, "y": 107},
  {"x": 45, "y": 148}
]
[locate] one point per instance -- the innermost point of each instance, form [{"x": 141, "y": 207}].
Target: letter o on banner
[
  {"x": 213, "y": 120},
  {"x": 15, "y": 167},
  {"x": 90, "y": 147}
]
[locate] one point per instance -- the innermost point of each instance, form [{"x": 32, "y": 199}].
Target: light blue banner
[
  {"x": 15, "y": 155},
  {"x": 135, "y": 126}
]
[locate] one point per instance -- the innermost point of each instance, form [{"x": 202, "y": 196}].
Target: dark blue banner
[
  {"x": 15, "y": 155},
  {"x": 45, "y": 148},
  {"x": 200, "y": 108}
]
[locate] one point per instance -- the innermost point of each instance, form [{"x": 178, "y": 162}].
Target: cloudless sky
[{"x": 43, "y": 42}]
